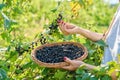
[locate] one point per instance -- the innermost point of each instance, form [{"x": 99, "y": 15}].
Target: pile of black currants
[{"x": 56, "y": 53}]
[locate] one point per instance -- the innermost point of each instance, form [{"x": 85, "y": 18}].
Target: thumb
[{"x": 67, "y": 60}]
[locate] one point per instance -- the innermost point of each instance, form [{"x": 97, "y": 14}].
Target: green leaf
[
  {"x": 1, "y": 6},
  {"x": 91, "y": 52},
  {"x": 60, "y": 75},
  {"x": 106, "y": 77},
  {"x": 13, "y": 56},
  {"x": 101, "y": 43},
  {"x": 6, "y": 24},
  {"x": 6, "y": 36},
  {"x": 78, "y": 77},
  {"x": 18, "y": 71},
  {"x": 27, "y": 65},
  {"x": 6, "y": 21},
  {"x": 45, "y": 71},
  {"x": 17, "y": 10},
  {"x": 82, "y": 40},
  {"x": 86, "y": 76},
  {"x": 2, "y": 63},
  {"x": 54, "y": 10},
  {"x": 80, "y": 71},
  {"x": 93, "y": 78},
  {"x": 8, "y": 48},
  {"x": 59, "y": 2},
  {"x": 3, "y": 74},
  {"x": 81, "y": 2},
  {"x": 67, "y": 38}
]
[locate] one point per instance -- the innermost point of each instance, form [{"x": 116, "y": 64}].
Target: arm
[
  {"x": 90, "y": 35},
  {"x": 68, "y": 28}
]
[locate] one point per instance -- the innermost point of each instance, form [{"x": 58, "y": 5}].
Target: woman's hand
[
  {"x": 67, "y": 28},
  {"x": 73, "y": 64}
]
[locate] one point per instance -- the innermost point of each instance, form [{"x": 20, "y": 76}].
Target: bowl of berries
[{"x": 52, "y": 55}]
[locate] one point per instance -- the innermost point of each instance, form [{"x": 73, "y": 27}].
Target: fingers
[
  {"x": 67, "y": 60},
  {"x": 61, "y": 23},
  {"x": 66, "y": 25},
  {"x": 62, "y": 26},
  {"x": 67, "y": 28}
]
